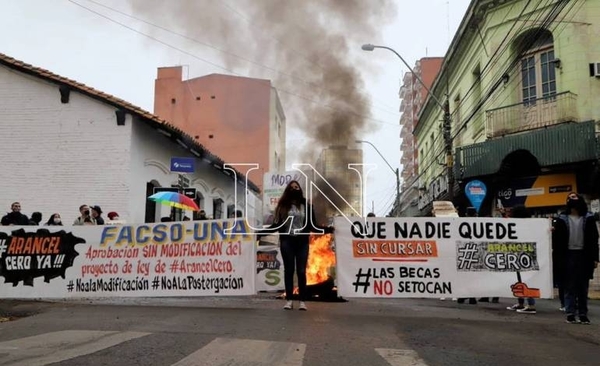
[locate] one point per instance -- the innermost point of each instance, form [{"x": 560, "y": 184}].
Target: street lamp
[
  {"x": 395, "y": 171},
  {"x": 447, "y": 118}
]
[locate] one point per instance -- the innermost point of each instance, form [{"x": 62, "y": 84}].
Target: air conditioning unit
[{"x": 595, "y": 69}]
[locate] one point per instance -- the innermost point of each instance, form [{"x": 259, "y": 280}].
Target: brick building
[
  {"x": 413, "y": 95},
  {"x": 240, "y": 119}
]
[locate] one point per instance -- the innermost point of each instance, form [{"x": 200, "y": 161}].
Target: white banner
[
  {"x": 443, "y": 257},
  {"x": 269, "y": 268},
  {"x": 198, "y": 258}
]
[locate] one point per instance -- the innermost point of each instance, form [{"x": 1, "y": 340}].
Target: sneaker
[
  {"x": 289, "y": 305},
  {"x": 584, "y": 320},
  {"x": 515, "y": 307},
  {"x": 527, "y": 310},
  {"x": 562, "y": 308},
  {"x": 302, "y": 306},
  {"x": 571, "y": 319}
]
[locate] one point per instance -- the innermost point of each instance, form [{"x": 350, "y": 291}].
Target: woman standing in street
[{"x": 294, "y": 221}]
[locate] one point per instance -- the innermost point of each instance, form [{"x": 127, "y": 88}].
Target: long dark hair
[
  {"x": 51, "y": 220},
  {"x": 285, "y": 202}
]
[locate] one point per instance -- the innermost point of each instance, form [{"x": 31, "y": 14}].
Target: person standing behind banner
[
  {"x": 470, "y": 212},
  {"x": 294, "y": 236},
  {"x": 521, "y": 212},
  {"x": 575, "y": 241}
]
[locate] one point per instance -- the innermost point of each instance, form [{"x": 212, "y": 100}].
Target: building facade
[
  {"x": 240, "y": 119},
  {"x": 65, "y": 144},
  {"x": 413, "y": 94},
  {"x": 522, "y": 80}
]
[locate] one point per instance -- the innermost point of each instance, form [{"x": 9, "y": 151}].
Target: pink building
[
  {"x": 240, "y": 119},
  {"x": 413, "y": 95}
]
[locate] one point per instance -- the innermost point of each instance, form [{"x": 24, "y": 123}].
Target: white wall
[
  {"x": 150, "y": 160},
  {"x": 57, "y": 156}
]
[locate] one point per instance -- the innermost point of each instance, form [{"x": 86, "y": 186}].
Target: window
[
  {"x": 217, "y": 209},
  {"x": 456, "y": 122},
  {"x": 538, "y": 73},
  {"x": 200, "y": 202},
  {"x": 548, "y": 73},
  {"x": 528, "y": 80},
  {"x": 478, "y": 125}
]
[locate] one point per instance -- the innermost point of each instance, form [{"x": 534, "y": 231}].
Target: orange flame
[{"x": 321, "y": 259}]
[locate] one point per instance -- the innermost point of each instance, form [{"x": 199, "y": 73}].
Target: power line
[
  {"x": 482, "y": 72},
  {"x": 227, "y": 69},
  {"x": 485, "y": 68},
  {"x": 185, "y": 36},
  {"x": 526, "y": 44},
  {"x": 555, "y": 32},
  {"x": 475, "y": 108}
]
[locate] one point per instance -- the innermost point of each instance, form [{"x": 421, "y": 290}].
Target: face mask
[
  {"x": 296, "y": 194},
  {"x": 575, "y": 204},
  {"x": 57, "y": 220}
]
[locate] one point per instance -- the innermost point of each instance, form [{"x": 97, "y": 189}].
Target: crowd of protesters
[{"x": 89, "y": 215}]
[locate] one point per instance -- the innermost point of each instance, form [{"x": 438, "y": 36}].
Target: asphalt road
[{"x": 257, "y": 331}]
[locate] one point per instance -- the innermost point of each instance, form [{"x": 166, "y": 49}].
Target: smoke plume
[{"x": 311, "y": 44}]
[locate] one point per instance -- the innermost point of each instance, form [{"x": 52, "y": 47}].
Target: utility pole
[
  {"x": 397, "y": 213},
  {"x": 447, "y": 128}
]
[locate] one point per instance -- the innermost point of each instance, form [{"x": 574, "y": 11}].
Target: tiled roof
[{"x": 151, "y": 119}]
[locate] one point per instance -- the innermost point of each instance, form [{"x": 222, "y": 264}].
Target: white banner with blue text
[{"x": 201, "y": 258}]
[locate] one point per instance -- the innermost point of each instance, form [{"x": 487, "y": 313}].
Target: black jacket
[
  {"x": 560, "y": 244},
  {"x": 15, "y": 218},
  {"x": 309, "y": 227}
]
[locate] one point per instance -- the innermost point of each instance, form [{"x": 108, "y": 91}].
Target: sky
[{"x": 88, "y": 45}]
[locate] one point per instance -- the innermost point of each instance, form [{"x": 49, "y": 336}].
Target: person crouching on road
[
  {"x": 575, "y": 242},
  {"x": 293, "y": 219}
]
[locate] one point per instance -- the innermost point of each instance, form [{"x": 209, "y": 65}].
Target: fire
[{"x": 321, "y": 259}]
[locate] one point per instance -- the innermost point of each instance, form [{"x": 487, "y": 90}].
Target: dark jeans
[
  {"x": 530, "y": 301},
  {"x": 577, "y": 284},
  {"x": 294, "y": 251}
]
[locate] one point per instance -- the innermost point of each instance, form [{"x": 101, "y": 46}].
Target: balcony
[{"x": 543, "y": 112}]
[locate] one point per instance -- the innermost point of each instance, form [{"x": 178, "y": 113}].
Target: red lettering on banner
[{"x": 382, "y": 287}]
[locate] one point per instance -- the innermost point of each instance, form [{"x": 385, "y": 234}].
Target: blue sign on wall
[{"x": 183, "y": 165}]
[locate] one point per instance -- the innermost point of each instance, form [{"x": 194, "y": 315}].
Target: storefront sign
[
  {"x": 435, "y": 190},
  {"x": 476, "y": 191},
  {"x": 539, "y": 191}
]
